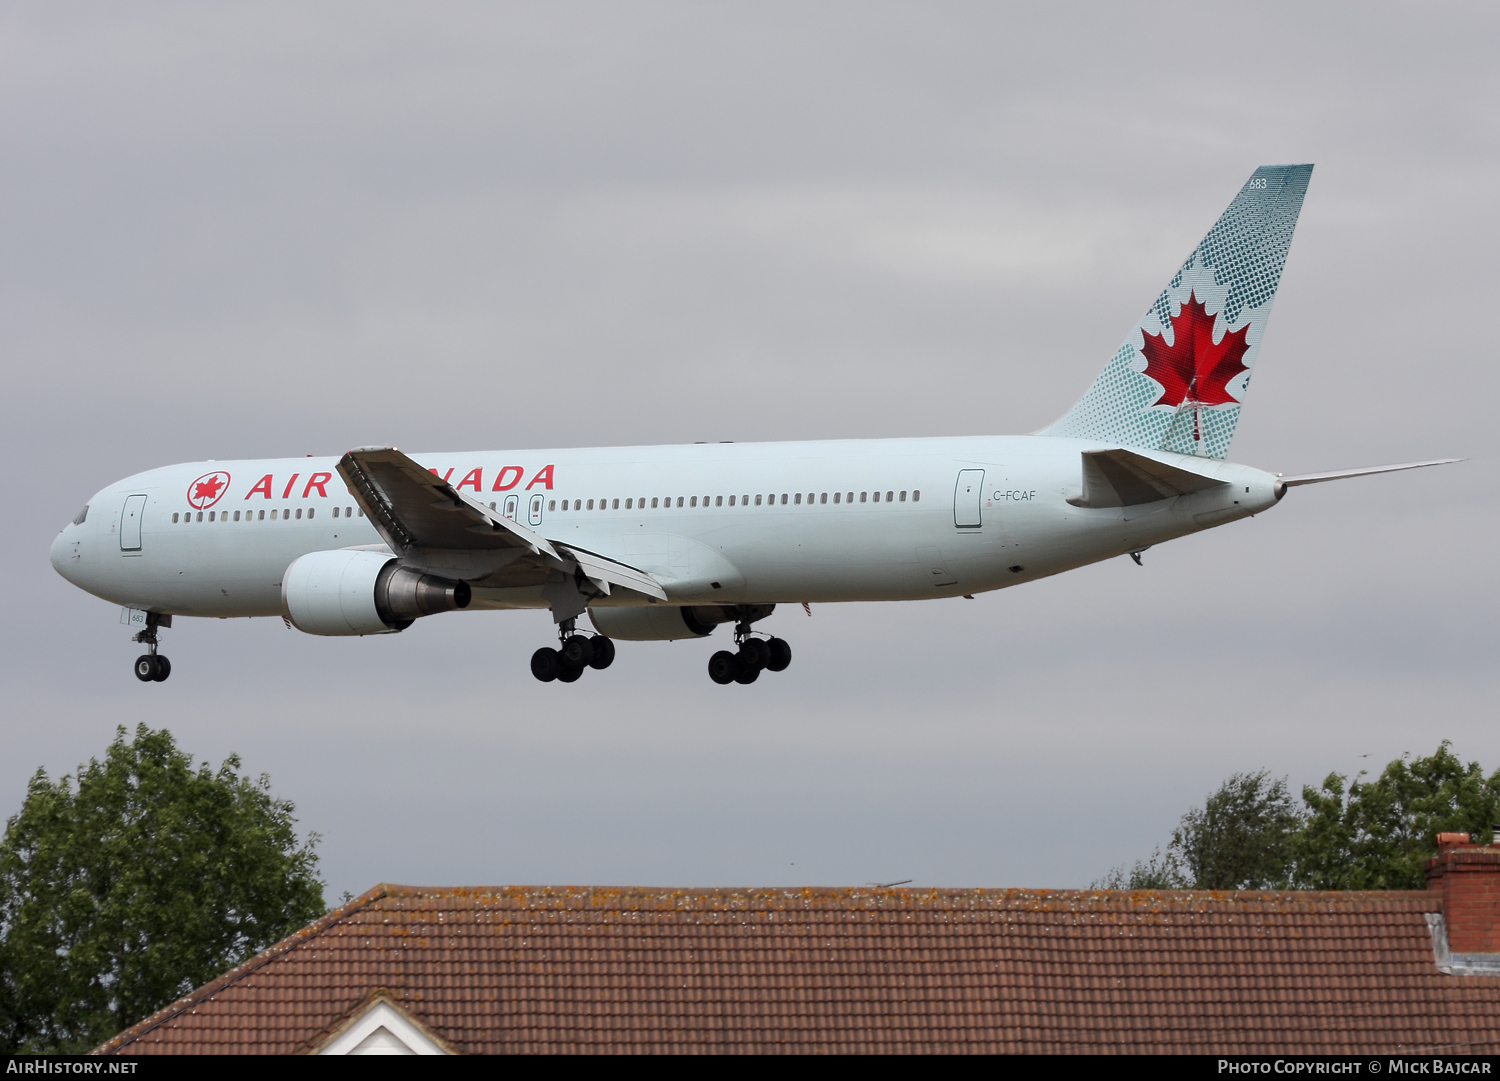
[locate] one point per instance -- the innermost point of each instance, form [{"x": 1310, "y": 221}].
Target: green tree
[
  {"x": 1160, "y": 872},
  {"x": 1241, "y": 838},
  {"x": 1375, "y": 835},
  {"x": 142, "y": 879}
]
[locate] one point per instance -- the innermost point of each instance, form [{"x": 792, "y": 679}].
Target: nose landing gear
[
  {"x": 152, "y": 667},
  {"x": 574, "y": 653},
  {"x": 755, "y": 655}
]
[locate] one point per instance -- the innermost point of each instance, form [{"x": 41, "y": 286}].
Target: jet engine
[
  {"x": 353, "y": 592},
  {"x": 665, "y": 623}
]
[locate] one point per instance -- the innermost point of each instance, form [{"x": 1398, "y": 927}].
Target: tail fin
[{"x": 1178, "y": 381}]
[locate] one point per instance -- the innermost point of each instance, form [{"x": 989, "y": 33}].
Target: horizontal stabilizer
[
  {"x": 1340, "y": 474},
  {"x": 1123, "y": 478}
]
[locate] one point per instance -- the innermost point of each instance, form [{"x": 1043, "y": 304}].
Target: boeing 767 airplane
[{"x": 660, "y": 543}]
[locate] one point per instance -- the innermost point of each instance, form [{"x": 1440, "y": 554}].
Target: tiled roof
[{"x": 540, "y": 969}]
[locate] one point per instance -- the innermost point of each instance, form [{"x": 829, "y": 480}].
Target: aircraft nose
[{"x": 62, "y": 555}]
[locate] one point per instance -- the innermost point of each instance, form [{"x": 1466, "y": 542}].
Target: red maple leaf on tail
[{"x": 1193, "y": 370}]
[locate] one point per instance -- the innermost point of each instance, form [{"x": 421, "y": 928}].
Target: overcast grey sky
[{"x": 271, "y": 229}]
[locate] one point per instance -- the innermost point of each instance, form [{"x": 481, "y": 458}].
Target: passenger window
[
  {"x": 210, "y": 516},
  {"x": 719, "y": 500},
  {"x": 551, "y": 504},
  {"x": 823, "y": 498},
  {"x": 849, "y": 497},
  {"x": 757, "y": 501},
  {"x": 578, "y": 504},
  {"x": 693, "y": 502},
  {"x": 679, "y": 501},
  {"x": 616, "y": 505},
  {"x": 236, "y": 516},
  {"x": 299, "y": 512},
  {"x": 591, "y": 504},
  {"x": 336, "y": 510},
  {"x": 174, "y": 519},
  {"x": 629, "y": 503},
  {"x": 783, "y": 499},
  {"x": 888, "y": 496},
  {"x": 311, "y": 511},
  {"x": 915, "y": 495},
  {"x": 903, "y": 497},
  {"x": 654, "y": 502},
  {"x": 799, "y": 499},
  {"x": 862, "y": 497},
  {"x": 836, "y": 496},
  {"x": 273, "y": 515},
  {"x": 261, "y": 516}
]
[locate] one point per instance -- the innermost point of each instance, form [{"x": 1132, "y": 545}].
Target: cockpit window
[{"x": 81, "y": 515}]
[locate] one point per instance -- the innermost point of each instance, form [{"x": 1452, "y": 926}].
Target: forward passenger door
[{"x": 130, "y": 523}]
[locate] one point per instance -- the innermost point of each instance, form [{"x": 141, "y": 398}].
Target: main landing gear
[
  {"x": 753, "y": 656},
  {"x": 152, "y": 667},
  {"x": 574, "y": 653}
]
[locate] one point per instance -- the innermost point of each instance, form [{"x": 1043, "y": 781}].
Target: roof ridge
[{"x": 243, "y": 969}]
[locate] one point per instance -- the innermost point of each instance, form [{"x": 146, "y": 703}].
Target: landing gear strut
[
  {"x": 754, "y": 655},
  {"x": 573, "y": 654},
  {"x": 152, "y": 667}
]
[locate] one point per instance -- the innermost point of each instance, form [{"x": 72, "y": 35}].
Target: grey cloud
[{"x": 278, "y": 229}]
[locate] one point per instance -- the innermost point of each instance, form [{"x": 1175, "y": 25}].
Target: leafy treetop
[{"x": 138, "y": 880}]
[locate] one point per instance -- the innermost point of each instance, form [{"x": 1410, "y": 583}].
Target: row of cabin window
[
  {"x": 251, "y": 516},
  {"x": 744, "y": 500}
]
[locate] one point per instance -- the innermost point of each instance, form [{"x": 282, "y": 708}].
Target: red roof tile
[{"x": 541, "y": 969}]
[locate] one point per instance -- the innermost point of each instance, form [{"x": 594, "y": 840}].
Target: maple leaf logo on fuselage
[
  {"x": 207, "y": 489},
  {"x": 1194, "y": 370}
]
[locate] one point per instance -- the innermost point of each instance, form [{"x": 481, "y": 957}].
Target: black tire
[
  {"x": 781, "y": 655},
  {"x": 577, "y": 652},
  {"x": 722, "y": 666},
  {"x": 746, "y": 673},
  {"x": 754, "y": 653},
  {"x": 163, "y": 669},
  {"x": 145, "y": 668},
  {"x": 604, "y": 653},
  {"x": 569, "y": 674},
  {"x": 546, "y": 664}
]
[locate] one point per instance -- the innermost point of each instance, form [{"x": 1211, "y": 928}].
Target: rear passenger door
[{"x": 968, "y": 497}]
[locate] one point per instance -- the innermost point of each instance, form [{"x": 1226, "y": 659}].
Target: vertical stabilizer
[{"x": 1179, "y": 380}]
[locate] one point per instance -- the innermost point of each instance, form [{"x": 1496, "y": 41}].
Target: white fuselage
[{"x": 713, "y": 523}]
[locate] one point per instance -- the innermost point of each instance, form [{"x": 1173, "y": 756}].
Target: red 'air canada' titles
[{"x": 508, "y": 477}]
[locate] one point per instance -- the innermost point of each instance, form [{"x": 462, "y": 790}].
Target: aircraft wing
[
  {"x": 432, "y": 526},
  {"x": 412, "y": 507},
  {"x": 1123, "y": 478}
]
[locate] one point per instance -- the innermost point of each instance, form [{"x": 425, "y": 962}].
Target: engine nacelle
[
  {"x": 668, "y": 623},
  {"x": 352, "y": 592}
]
